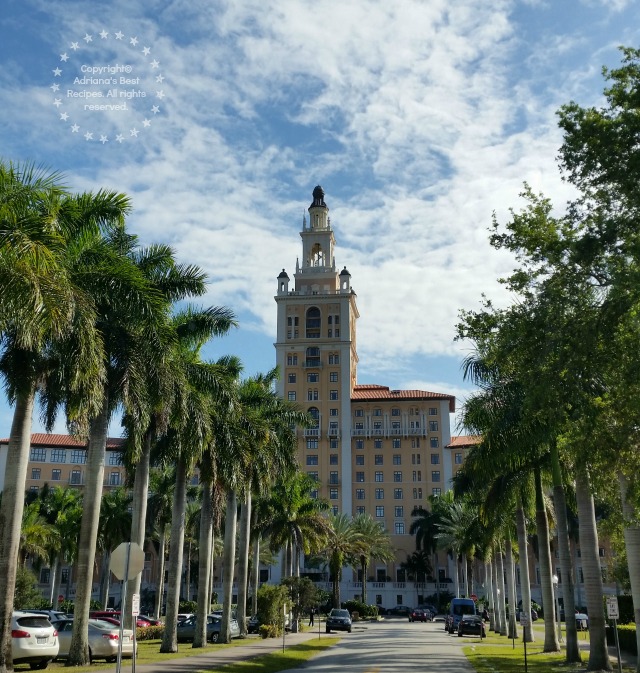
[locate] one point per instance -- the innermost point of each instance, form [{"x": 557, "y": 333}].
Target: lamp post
[{"x": 557, "y": 601}]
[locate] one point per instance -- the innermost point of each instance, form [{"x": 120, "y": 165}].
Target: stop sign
[
  {"x": 474, "y": 597},
  {"x": 119, "y": 560}
]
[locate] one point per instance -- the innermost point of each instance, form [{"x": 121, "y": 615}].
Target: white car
[{"x": 33, "y": 640}]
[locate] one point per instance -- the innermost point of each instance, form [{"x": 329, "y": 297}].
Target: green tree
[
  {"x": 114, "y": 527},
  {"x": 376, "y": 545}
]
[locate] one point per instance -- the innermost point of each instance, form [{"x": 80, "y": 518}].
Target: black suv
[{"x": 339, "y": 620}]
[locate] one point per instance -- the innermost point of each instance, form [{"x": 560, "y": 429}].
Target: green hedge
[
  {"x": 149, "y": 632},
  {"x": 364, "y": 611},
  {"x": 626, "y": 637}
]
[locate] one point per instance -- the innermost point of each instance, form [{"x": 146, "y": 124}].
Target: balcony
[
  {"x": 312, "y": 432},
  {"x": 358, "y": 432},
  {"x": 334, "y": 432}
]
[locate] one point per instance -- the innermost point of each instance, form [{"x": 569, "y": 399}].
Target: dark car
[
  {"x": 186, "y": 629},
  {"x": 338, "y": 620},
  {"x": 419, "y": 615},
  {"x": 399, "y": 611},
  {"x": 253, "y": 624},
  {"x": 471, "y": 625}
]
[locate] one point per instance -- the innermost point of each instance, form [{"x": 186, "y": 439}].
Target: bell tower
[{"x": 316, "y": 354}]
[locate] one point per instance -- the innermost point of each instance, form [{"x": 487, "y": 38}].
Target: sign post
[
  {"x": 135, "y": 611},
  {"x": 525, "y": 621},
  {"x": 613, "y": 613}
]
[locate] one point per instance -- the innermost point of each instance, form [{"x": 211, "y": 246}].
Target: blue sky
[{"x": 419, "y": 119}]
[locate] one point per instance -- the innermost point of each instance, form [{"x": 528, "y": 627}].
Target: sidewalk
[{"x": 254, "y": 648}]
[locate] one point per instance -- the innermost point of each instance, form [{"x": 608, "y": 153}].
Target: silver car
[
  {"x": 34, "y": 640},
  {"x": 186, "y": 629},
  {"x": 103, "y": 639}
]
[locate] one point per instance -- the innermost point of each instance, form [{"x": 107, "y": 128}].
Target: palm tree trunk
[
  {"x": 502, "y": 594},
  {"x": 566, "y": 567},
  {"x": 170, "y": 638},
  {"x": 632, "y": 543},
  {"x": 53, "y": 597},
  {"x": 187, "y": 574},
  {"x": 139, "y": 514},
  {"x": 243, "y": 563},
  {"x": 104, "y": 580},
  {"x": 488, "y": 579},
  {"x": 525, "y": 583},
  {"x": 496, "y": 626},
  {"x": 456, "y": 578},
  {"x": 598, "y": 652},
  {"x": 511, "y": 585},
  {"x": 160, "y": 589},
  {"x": 11, "y": 511},
  {"x": 79, "y": 648},
  {"x": 363, "y": 562},
  {"x": 204, "y": 565},
  {"x": 256, "y": 575},
  {"x": 229, "y": 562},
  {"x": 551, "y": 643}
]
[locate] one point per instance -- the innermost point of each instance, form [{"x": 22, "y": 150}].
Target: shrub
[
  {"x": 270, "y": 631},
  {"x": 271, "y": 601},
  {"x": 626, "y": 637},
  {"x": 625, "y": 606},
  {"x": 27, "y": 594},
  {"x": 362, "y": 609},
  {"x": 188, "y": 606},
  {"x": 149, "y": 632}
]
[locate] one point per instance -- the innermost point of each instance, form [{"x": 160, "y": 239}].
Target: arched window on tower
[
  {"x": 313, "y": 357},
  {"x": 313, "y": 323},
  {"x": 317, "y": 255}
]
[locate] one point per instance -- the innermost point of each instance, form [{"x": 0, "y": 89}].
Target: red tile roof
[
  {"x": 47, "y": 439},
  {"x": 375, "y": 392},
  {"x": 464, "y": 442}
]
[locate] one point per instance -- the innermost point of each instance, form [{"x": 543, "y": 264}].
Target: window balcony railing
[
  {"x": 315, "y": 363},
  {"x": 312, "y": 432},
  {"x": 334, "y": 432},
  {"x": 358, "y": 432}
]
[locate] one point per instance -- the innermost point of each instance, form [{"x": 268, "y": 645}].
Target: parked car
[
  {"x": 185, "y": 615},
  {"x": 471, "y": 625},
  {"x": 457, "y": 609},
  {"x": 34, "y": 640},
  {"x": 418, "y": 615},
  {"x": 152, "y": 621},
  {"x": 186, "y": 629},
  {"x": 338, "y": 620},
  {"x": 103, "y": 639},
  {"x": 113, "y": 616},
  {"x": 399, "y": 611},
  {"x": 51, "y": 615},
  {"x": 253, "y": 624}
]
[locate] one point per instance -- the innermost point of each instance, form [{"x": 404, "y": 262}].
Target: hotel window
[
  {"x": 114, "y": 479},
  {"x": 337, "y": 333},
  {"x": 291, "y": 396},
  {"x": 360, "y": 509},
  {"x": 333, "y": 394},
  {"x": 56, "y": 475},
  {"x": 415, "y": 458},
  {"x": 458, "y": 459},
  {"x": 333, "y": 494},
  {"x": 433, "y": 426},
  {"x": 395, "y": 412},
  {"x": 35, "y": 473},
  {"x": 312, "y": 443},
  {"x": 378, "y": 459},
  {"x": 377, "y": 443},
  {"x": 313, "y": 323},
  {"x": 312, "y": 395},
  {"x": 312, "y": 459},
  {"x": 79, "y": 456},
  {"x": 436, "y": 491},
  {"x": 313, "y": 357},
  {"x": 399, "y": 527},
  {"x": 434, "y": 443},
  {"x": 399, "y": 511},
  {"x": 415, "y": 443},
  {"x": 435, "y": 459},
  {"x": 334, "y": 359},
  {"x": 397, "y": 459},
  {"x": 379, "y": 477},
  {"x": 377, "y": 412},
  {"x": 333, "y": 443},
  {"x": 433, "y": 411},
  {"x": 397, "y": 476},
  {"x": 292, "y": 378},
  {"x": 292, "y": 359},
  {"x": 115, "y": 458},
  {"x": 359, "y": 413},
  {"x": 34, "y": 489},
  {"x": 333, "y": 478},
  {"x": 396, "y": 444},
  {"x": 397, "y": 494},
  {"x": 38, "y": 454},
  {"x": 313, "y": 475},
  {"x": 58, "y": 456},
  {"x": 45, "y": 575},
  {"x": 379, "y": 493},
  {"x": 435, "y": 476},
  {"x": 333, "y": 458},
  {"x": 360, "y": 476},
  {"x": 359, "y": 443},
  {"x": 313, "y": 493},
  {"x": 417, "y": 494},
  {"x": 333, "y": 377},
  {"x": 333, "y": 427},
  {"x": 379, "y": 511},
  {"x": 313, "y": 377},
  {"x": 75, "y": 477},
  {"x": 360, "y": 494},
  {"x": 359, "y": 460},
  {"x": 333, "y": 412}
]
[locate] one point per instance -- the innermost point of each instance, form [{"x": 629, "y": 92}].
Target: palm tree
[
  {"x": 42, "y": 301},
  {"x": 37, "y": 535},
  {"x": 114, "y": 527},
  {"x": 376, "y": 545}
]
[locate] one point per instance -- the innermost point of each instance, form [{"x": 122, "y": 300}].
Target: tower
[{"x": 316, "y": 354}]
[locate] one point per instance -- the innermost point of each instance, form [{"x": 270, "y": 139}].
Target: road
[{"x": 393, "y": 646}]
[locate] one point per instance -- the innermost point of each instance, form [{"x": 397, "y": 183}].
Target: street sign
[
  {"x": 612, "y": 607},
  {"x": 135, "y": 604},
  {"x": 524, "y": 619},
  {"x": 118, "y": 563}
]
